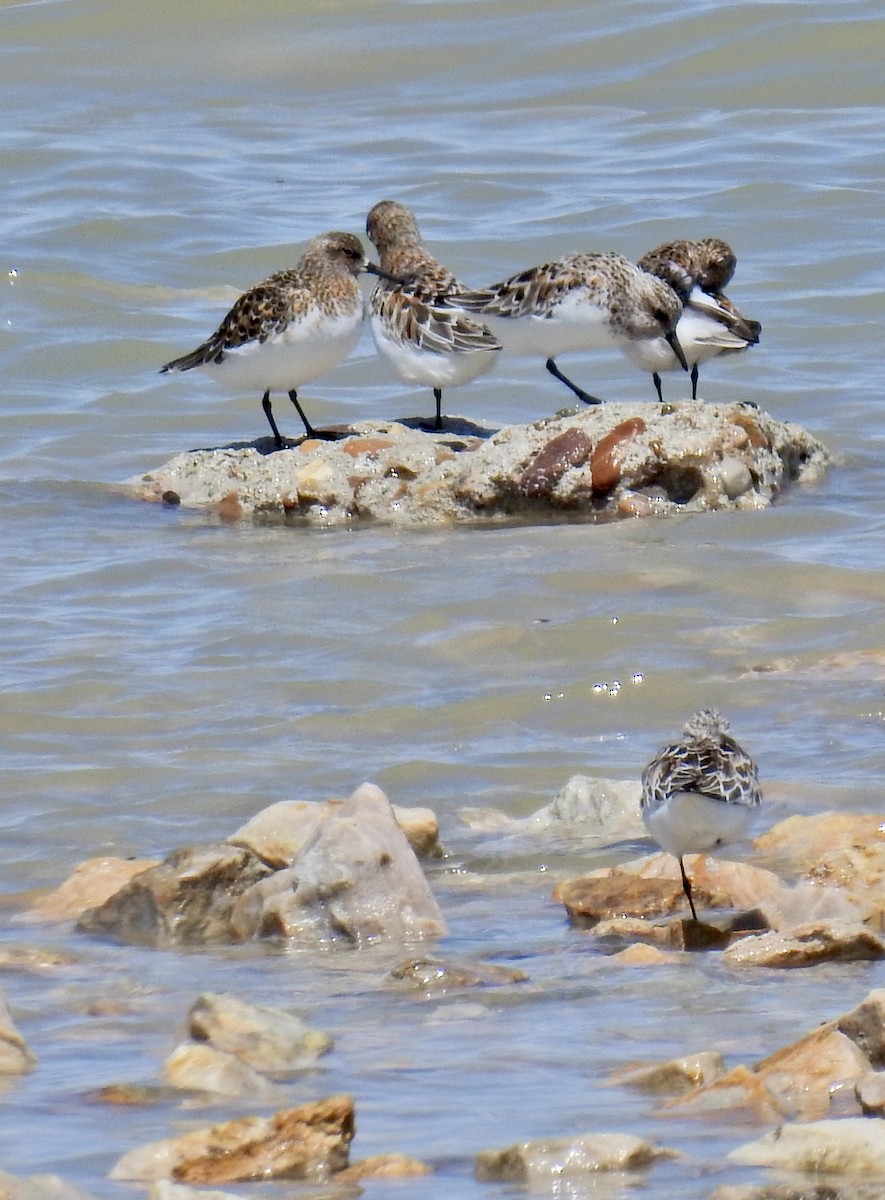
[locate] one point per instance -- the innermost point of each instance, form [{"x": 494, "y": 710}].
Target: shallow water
[{"x": 166, "y": 675}]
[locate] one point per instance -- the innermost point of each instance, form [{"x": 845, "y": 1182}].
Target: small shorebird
[
  {"x": 699, "y": 792},
  {"x": 415, "y": 321},
  {"x": 710, "y": 323},
  {"x": 291, "y": 328},
  {"x": 578, "y": 302}
]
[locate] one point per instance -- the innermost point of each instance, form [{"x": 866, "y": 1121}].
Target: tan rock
[
  {"x": 738, "y": 1090},
  {"x": 640, "y": 954},
  {"x": 356, "y": 880},
  {"x": 870, "y": 1093},
  {"x": 436, "y": 976},
  {"x": 852, "y": 1146},
  {"x": 278, "y": 833},
  {"x": 674, "y": 1077},
  {"x": 549, "y": 1159},
  {"x": 807, "y": 1074},
  {"x": 15, "y": 1057},
  {"x": 383, "y": 1166},
  {"x": 194, "y": 1066},
  {"x": 269, "y": 1040},
  {"x": 865, "y": 1025},
  {"x": 92, "y": 883},
  {"x": 187, "y": 900},
  {"x": 668, "y": 935},
  {"x": 805, "y": 946},
  {"x": 652, "y": 887},
  {"x": 833, "y": 849},
  {"x": 617, "y": 893},
  {"x": 311, "y": 1142}
]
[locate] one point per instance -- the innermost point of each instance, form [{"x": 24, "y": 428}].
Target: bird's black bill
[
  {"x": 374, "y": 269},
  {"x": 673, "y": 341}
]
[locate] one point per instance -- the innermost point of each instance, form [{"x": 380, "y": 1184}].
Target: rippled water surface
[{"x": 165, "y": 675}]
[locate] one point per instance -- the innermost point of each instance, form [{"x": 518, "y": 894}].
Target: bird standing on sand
[
  {"x": 291, "y": 328},
  {"x": 699, "y": 792},
  {"x": 579, "y": 302},
  {"x": 710, "y": 323},
  {"x": 415, "y": 320}
]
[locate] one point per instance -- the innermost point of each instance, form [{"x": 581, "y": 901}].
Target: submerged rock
[
  {"x": 552, "y": 1159},
  {"x": 806, "y": 946},
  {"x": 611, "y": 460},
  {"x": 196, "y": 1067},
  {"x": 269, "y": 1040},
  {"x": 674, "y": 1077},
  {"x": 311, "y": 1142},
  {"x": 433, "y": 976}
]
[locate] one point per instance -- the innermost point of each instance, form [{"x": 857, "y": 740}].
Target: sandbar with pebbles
[{"x": 613, "y": 461}]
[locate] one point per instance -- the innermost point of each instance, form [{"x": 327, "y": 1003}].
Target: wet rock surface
[
  {"x": 550, "y": 1159},
  {"x": 310, "y": 1142},
  {"x": 186, "y": 900},
  {"x": 608, "y": 461},
  {"x": 854, "y": 1146},
  {"x": 353, "y": 877},
  {"x": 270, "y": 1040}
]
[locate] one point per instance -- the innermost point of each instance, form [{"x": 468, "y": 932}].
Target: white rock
[
  {"x": 356, "y": 879},
  {"x": 852, "y": 1146}
]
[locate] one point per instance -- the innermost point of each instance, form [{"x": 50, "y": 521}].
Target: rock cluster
[
  {"x": 343, "y": 871},
  {"x": 348, "y": 871},
  {"x": 830, "y": 911},
  {"x": 613, "y": 460}
]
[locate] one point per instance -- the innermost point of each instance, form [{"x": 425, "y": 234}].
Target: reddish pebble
[
  {"x": 569, "y": 449},
  {"x": 355, "y": 446},
  {"x": 605, "y": 465},
  {"x": 229, "y": 507}
]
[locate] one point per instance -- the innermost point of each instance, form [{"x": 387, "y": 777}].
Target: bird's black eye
[{"x": 662, "y": 316}]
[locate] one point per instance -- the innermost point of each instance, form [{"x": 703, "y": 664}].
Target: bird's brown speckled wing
[
  {"x": 719, "y": 769},
  {"x": 412, "y": 318},
  {"x": 259, "y": 313}
]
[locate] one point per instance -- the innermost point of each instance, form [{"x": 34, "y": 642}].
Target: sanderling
[
  {"x": 699, "y": 792},
  {"x": 292, "y": 327},
  {"x": 579, "y": 302},
  {"x": 710, "y": 323},
  {"x": 415, "y": 326}
]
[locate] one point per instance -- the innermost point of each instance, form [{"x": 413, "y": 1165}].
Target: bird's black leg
[
  {"x": 686, "y": 887},
  {"x": 308, "y": 428},
  {"x": 694, "y": 382},
  {"x": 265, "y": 404},
  {"x": 437, "y": 395},
  {"x": 579, "y": 392},
  {"x": 657, "y": 382}
]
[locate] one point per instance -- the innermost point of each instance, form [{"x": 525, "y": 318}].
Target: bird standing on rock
[
  {"x": 579, "y": 302},
  {"x": 416, "y": 323},
  {"x": 699, "y": 792},
  {"x": 291, "y": 328},
  {"x": 710, "y": 323}
]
